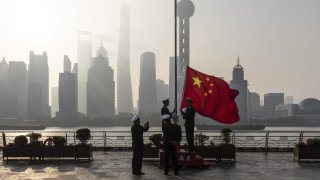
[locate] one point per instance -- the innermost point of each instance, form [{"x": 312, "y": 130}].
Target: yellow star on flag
[
  {"x": 197, "y": 81},
  {"x": 210, "y": 91}
]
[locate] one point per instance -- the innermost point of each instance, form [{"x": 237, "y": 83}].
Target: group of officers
[{"x": 171, "y": 136}]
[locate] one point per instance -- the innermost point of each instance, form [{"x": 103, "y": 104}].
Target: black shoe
[
  {"x": 176, "y": 173},
  {"x": 165, "y": 173},
  {"x": 141, "y": 173}
]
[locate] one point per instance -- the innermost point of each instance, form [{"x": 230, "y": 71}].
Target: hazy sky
[{"x": 278, "y": 41}]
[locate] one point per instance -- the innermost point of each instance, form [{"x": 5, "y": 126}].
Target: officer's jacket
[
  {"x": 189, "y": 115},
  {"x": 137, "y": 134},
  {"x": 171, "y": 133}
]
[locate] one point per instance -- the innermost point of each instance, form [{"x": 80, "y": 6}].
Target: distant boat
[{"x": 34, "y": 127}]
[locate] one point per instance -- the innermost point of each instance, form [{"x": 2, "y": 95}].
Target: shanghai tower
[{"x": 124, "y": 88}]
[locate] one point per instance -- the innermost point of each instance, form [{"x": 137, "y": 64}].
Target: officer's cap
[
  {"x": 135, "y": 117},
  {"x": 166, "y": 100},
  {"x": 189, "y": 99}
]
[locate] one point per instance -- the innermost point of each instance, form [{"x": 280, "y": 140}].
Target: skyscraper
[
  {"x": 38, "y": 95},
  {"x": 241, "y": 85},
  {"x": 67, "y": 89},
  {"x": 84, "y": 59},
  {"x": 100, "y": 87},
  {"x": 162, "y": 92},
  {"x": 271, "y": 100},
  {"x": 3, "y": 87},
  {"x": 147, "y": 86},
  {"x": 124, "y": 88},
  {"x": 54, "y": 101},
  {"x": 17, "y": 99},
  {"x": 66, "y": 64}
]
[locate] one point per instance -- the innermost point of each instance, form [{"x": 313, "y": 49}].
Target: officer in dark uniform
[
  {"x": 137, "y": 144},
  {"x": 171, "y": 138},
  {"x": 188, "y": 115},
  {"x": 165, "y": 110}
]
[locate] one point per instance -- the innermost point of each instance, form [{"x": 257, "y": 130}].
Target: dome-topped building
[
  {"x": 241, "y": 85},
  {"x": 310, "y": 105},
  {"x": 238, "y": 73}
]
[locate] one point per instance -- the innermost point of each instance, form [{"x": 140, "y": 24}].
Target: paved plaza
[{"x": 117, "y": 165}]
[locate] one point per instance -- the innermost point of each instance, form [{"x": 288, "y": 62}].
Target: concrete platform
[{"x": 117, "y": 165}]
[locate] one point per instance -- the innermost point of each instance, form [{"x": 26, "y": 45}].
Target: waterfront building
[
  {"x": 124, "y": 87},
  {"x": 310, "y": 106},
  {"x": 286, "y": 110},
  {"x": 271, "y": 100},
  {"x": 253, "y": 104},
  {"x": 84, "y": 62},
  {"x": 162, "y": 92},
  {"x": 171, "y": 82},
  {"x": 3, "y": 86},
  {"x": 289, "y": 100},
  {"x": 17, "y": 90},
  {"x": 54, "y": 101},
  {"x": 100, "y": 87},
  {"x": 68, "y": 99},
  {"x": 147, "y": 85},
  {"x": 241, "y": 85},
  {"x": 38, "y": 90}
]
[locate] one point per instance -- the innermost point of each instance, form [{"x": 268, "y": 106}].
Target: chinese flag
[{"x": 212, "y": 97}]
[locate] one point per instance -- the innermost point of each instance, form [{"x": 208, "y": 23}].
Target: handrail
[{"x": 106, "y": 139}]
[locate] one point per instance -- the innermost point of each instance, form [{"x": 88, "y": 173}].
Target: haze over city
[{"x": 278, "y": 42}]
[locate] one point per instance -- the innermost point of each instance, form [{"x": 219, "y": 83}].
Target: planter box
[
  {"x": 227, "y": 151},
  {"x": 29, "y": 150},
  {"x": 58, "y": 152},
  {"x": 306, "y": 152},
  {"x": 211, "y": 152},
  {"x": 33, "y": 151},
  {"x": 150, "y": 152},
  {"x": 83, "y": 151}
]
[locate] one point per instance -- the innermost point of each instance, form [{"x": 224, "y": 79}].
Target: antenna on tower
[{"x": 238, "y": 61}]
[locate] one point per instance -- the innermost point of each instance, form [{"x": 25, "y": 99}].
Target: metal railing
[{"x": 242, "y": 139}]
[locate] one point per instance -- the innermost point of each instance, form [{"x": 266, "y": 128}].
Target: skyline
[{"x": 287, "y": 34}]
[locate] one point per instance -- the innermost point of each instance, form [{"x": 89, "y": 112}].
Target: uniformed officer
[
  {"x": 165, "y": 110},
  {"x": 171, "y": 138},
  {"x": 188, "y": 115},
  {"x": 137, "y": 144}
]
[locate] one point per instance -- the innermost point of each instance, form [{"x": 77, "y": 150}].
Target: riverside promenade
[{"x": 116, "y": 165}]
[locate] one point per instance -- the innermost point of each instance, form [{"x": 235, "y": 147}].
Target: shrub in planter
[
  {"x": 83, "y": 135},
  {"x": 313, "y": 142},
  {"x": 59, "y": 140},
  {"x": 200, "y": 139},
  {"x": 225, "y": 134},
  {"x": 156, "y": 140},
  {"x": 20, "y": 140},
  {"x": 34, "y": 137}
]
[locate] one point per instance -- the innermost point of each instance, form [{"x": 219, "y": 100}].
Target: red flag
[{"x": 212, "y": 97}]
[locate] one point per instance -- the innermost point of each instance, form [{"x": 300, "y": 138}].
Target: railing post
[
  {"x": 104, "y": 142},
  {"x": 234, "y": 138},
  {"x": 74, "y": 138},
  {"x": 301, "y": 137},
  {"x": 66, "y": 137},
  {"x": 266, "y": 143}
]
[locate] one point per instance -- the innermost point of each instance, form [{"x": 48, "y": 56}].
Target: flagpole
[{"x": 175, "y": 58}]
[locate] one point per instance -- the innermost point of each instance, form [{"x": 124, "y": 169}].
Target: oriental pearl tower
[{"x": 185, "y": 11}]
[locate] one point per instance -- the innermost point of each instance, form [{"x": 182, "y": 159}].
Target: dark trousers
[
  {"x": 190, "y": 137},
  {"x": 170, "y": 154},
  {"x": 137, "y": 159}
]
